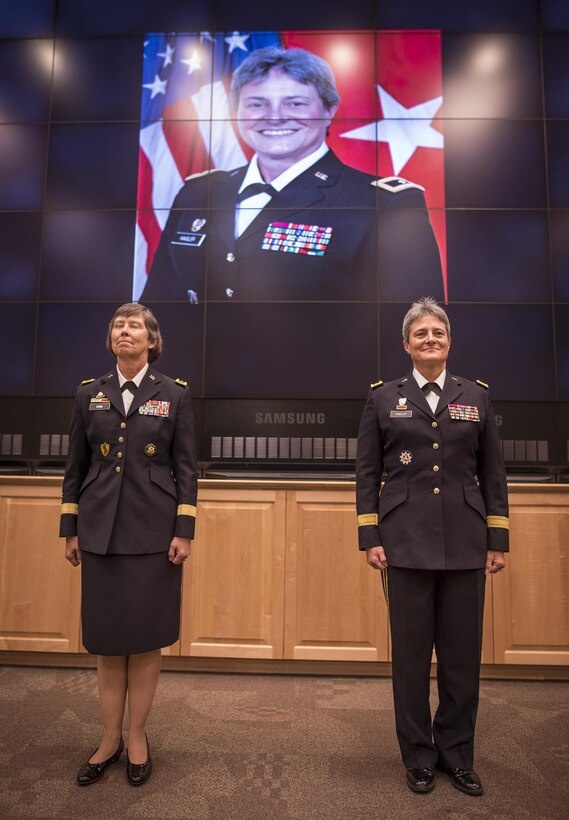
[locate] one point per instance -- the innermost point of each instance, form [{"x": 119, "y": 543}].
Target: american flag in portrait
[{"x": 388, "y": 122}]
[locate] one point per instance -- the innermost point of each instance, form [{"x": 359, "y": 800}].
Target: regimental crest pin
[
  {"x": 405, "y": 457},
  {"x": 197, "y": 225},
  {"x": 105, "y": 448},
  {"x": 402, "y": 403}
]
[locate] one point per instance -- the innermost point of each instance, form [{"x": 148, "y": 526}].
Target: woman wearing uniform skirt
[{"x": 128, "y": 517}]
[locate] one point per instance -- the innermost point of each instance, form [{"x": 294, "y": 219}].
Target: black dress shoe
[
  {"x": 420, "y": 780},
  {"x": 465, "y": 780},
  {"x": 138, "y": 773},
  {"x": 91, "y": 772}
]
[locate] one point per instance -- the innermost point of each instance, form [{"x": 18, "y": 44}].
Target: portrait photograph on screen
[{"x": 289, "y": 167}]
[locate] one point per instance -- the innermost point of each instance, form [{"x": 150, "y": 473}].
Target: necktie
[
  {"x": 129, "y": 386},
  {"x": 431, "y": 386},
  {"x": 256, "y": 188}
]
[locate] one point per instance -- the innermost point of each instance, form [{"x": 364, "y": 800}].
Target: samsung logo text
[{"x": 290, "y": 418}]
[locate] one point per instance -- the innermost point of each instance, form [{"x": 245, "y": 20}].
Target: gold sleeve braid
[
  {"x": 499, "y": 521},
  {"x": 368, "y": 520},
  {"x": 186, "y": 509},
  {"x": 70, "y": 509}
]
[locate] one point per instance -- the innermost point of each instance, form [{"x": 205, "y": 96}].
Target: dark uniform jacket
[
  {"x": 347, "y": 231},
  {"x": 130, "y": 482},
  {"x": 444, "y": 502}
]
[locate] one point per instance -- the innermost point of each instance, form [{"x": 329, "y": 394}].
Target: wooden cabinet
[
  {"x": 234, "y": 582},
  {"x": 334, "y": 603},
  {"x": 275, "y": 574},
  {"x": 531, "y": 597},
  {"x": 39, "y": 589}
]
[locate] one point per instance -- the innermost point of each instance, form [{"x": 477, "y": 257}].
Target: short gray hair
[
  {"x": 424, "y": 307},
  {"x": 297, "y": 63}
]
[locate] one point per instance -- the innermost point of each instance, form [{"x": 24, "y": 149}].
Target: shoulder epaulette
[
  {"x": 376, "y": 384},
  {"x": 395, "y": 184},
  {"x": 203, "y": 173},
  {"x": 483, "y": 384},
  {"x": 181, "y": 382},
  {"x": 87, "y": 381}
]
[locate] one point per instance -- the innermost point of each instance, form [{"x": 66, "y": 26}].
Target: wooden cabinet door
[
  {"x": 233, "y": 583},
  {"x": 531, "y": 596},
  {"x": 39, "y": 589},
  {"x": 334, "y": 603}
]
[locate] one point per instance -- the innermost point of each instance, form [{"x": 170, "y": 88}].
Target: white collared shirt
[
  {"x": 127, "y": 396},
  {"x": 431, "y": 396},
  {"x": 247, "y": 210}
]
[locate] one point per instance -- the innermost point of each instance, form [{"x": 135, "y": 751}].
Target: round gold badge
[{"x": 150, "y": 449}]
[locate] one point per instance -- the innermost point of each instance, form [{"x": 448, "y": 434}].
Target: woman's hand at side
[
  {"x": 72, "y": 551},
  {"x": 180, "y": 549}
]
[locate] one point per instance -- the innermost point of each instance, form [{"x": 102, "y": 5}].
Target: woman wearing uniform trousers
[
  {"x": 437, "y": 527},
  {"x": 128, "y": 516}
]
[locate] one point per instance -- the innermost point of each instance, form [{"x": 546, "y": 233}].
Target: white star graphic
[
  {"x": 194, "y": 63},
  {"x": 205, "y": 36},
  {"x": 404, "y": 129},
  {"x": 156, "y": 87},
  {"x": 237, "y": 40},
  {"x": 168, "y": 54}
]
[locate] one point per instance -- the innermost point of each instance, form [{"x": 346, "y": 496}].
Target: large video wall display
[{"x": 280, "y": 197}]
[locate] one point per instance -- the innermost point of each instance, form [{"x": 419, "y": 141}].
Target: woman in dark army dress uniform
[
  {"x": 128, "y": 517},
  {"x": 438, "y": 527}
]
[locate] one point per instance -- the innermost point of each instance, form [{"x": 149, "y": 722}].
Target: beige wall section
[
  {"x": 39, "y": 589},
  {"x": 234, "y": 581},
  {"x": 334, "y": 603},
  {"x": 531, "y": 597}
]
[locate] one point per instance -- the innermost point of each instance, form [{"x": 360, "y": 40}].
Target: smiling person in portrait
[{"x": 296, "y": 223}]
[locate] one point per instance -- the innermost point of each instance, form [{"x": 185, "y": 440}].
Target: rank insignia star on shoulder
[
  {"x": 376, "y": 384},
  {"x": 483, "y": 384},
  {"x": 395, "y": 184},
  {"x": 181, "y": 382}
]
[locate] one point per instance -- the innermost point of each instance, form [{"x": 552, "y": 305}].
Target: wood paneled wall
[{"x": 275, "y": 573}]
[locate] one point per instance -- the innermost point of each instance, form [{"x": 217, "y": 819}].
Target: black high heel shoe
[
  {"x": 91, "y": 772},
  {"x": 138, "y": 773}
]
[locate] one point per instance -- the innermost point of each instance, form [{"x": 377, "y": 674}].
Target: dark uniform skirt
[{"x": 129, "y": 603}]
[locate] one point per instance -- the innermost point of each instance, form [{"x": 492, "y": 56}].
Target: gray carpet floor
[{"x": 244, "y": 746}]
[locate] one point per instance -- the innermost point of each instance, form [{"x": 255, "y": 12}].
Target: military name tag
[
  {"x": 292, "y": 237},
  {"x": 155, "y": 408},
  {"x": 188, "y": 238},
  {"x": 401, "y": 414},
  {"x": 463, "y": 412},
  {"x": 99, "y": 403}
]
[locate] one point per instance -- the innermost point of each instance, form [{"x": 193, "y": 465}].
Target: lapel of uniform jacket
[
  {"x": 222, "y": 208},
  {"x": 147, "y": 389},
  {"x": 409, "y": 388},
  {"x": 303, "y": 192},
  {"x": 451, "y": 391},
  {"x": 112, "y": 391}
]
